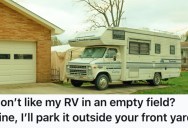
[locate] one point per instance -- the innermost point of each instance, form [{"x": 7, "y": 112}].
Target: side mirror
[{"x": 114, "y": 58}]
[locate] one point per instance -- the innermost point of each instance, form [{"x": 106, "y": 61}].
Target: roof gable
[
  {"x": 13, "y": 5},
  {"x": 184, "y": 44}
]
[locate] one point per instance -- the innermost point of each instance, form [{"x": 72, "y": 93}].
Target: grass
[{"x": 174, "y": 86}]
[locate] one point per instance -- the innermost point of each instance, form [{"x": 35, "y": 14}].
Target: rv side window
[
  {"x": 118, "y": 35},
  {"x": 139, "y": 48},
  {"x": 172, "y": 49},
  {"x": 134, "y": 48},
  {"x": 111, "y": 53},
  {"x": 144, "y": 49},
  {"x": 157, "y": 48}
]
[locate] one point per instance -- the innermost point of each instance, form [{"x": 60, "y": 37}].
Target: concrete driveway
[{"x": 51, "y": 88}]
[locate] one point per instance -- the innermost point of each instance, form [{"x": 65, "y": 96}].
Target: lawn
[{"x": 174, "y": 86}]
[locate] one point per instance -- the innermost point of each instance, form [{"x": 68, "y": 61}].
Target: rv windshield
[{"x": 93, "y": 52}]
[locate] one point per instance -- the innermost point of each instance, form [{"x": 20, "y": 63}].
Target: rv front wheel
[
  {"x": 156, "y": 79},
  {"x": 101, "y": 82},
  {"x": 76, "y": 83}
]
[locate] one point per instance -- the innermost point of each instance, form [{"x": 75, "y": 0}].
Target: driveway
[{"x": 51, "y": 88}]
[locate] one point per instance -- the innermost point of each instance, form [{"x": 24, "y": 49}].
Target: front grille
[
  {"x": 78, "y": 70},
  {"x": 78, "y": 66}
]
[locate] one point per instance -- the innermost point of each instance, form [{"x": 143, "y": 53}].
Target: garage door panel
[
  {"x": 5, "y": 62},
  {"x": 23, "y": 63},
  {"x": 23, "y": 78},
  {"x": 5, "y": 69},
  {"x": 22, "y": 66},
  {"x": 5, "y": 72},
  {"x": 23, "y": 72},
  {"x": 19, "y": 69},
  {"x": 5, "y": 79},
  {"x": 5, "y": 66},
  {"x": 30, "y": 69}
]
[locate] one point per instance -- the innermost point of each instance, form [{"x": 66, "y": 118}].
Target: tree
[
  {"x": 186, "y": 36},
  {"x": 55, "y": 41},
  {"x": 105, "y": 13}
]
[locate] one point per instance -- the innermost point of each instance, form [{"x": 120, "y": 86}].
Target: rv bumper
[
  {"x": 80, "y": 72},
  {"x": 79, "y": 77}
]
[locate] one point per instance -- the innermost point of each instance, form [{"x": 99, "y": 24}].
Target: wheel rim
[
  {"x": 157, "y": 79},
  {"x": 103, "y": 82}
]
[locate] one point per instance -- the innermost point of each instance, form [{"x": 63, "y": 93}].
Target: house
[
  {"x": 25, "y": 45},
  {"x": 184, "y": 54}
]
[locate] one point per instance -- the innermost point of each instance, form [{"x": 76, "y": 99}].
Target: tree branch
[
  {"x": 121, "y": 12},
  {"x": 110, "y": 10}
]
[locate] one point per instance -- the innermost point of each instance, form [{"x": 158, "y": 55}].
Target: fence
[{"x": 55, "y": 75}]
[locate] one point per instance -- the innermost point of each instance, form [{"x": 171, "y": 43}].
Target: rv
[{"x": 124, "y": 55}]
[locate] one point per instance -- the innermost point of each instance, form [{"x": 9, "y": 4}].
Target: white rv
[{"x": 124, "y": 55}]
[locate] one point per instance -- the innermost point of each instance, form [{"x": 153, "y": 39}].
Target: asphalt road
[{"x": 51, "y": 88}]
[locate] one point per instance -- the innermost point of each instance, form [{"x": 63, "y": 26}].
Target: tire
[
  {"x": 156, "y": 79},
  {"x": 101, "y": 82},
  {"x": 76, "y": 83}
]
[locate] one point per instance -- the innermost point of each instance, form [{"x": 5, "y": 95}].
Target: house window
[
  {"x": 157, "y": 48},
  {"x": 139, "y": 48},
  {"x": 118, "y": 35},
  {"x": 172, "y": 49},
  {"x": 23, "y": 56},
  {"x": 5, "y": 56}
]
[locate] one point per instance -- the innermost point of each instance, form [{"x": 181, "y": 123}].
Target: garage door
[{"x": 17, "y": 62}]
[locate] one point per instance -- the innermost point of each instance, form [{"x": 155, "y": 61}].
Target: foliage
[
  {"x": 55, "y": 41},
  {"x": 186, "y": 36}
]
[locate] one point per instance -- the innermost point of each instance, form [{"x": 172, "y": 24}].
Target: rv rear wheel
[
  {"x": 76, "y": 83},
  {"x": 156, "y": 79},
  {"x": 101, "y": 82}
]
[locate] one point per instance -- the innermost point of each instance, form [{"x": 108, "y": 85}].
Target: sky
[{"x": 161, "y": 15}]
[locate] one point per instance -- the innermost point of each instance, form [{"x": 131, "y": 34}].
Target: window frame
[
  {"x": 118, "y": 34},
  {"x": 172, "y": 51},
  {"x": 8, "y": 56},
  {"x": 23, "y": 57},
  {"x": 115, "y": 49},
  {"x": 157, "y": 47},
  {"x": 139, "y": 43}
]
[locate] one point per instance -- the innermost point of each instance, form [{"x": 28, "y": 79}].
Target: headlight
[
  {"x": 89, "y": 67},
  {"x": 68, "y": 66},
  {"x": 89, "y": 70}
]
